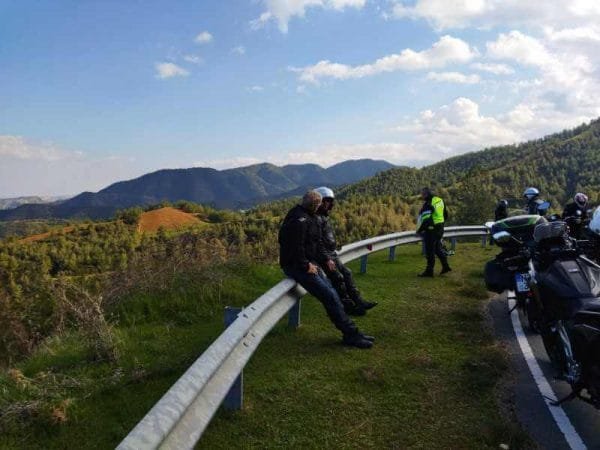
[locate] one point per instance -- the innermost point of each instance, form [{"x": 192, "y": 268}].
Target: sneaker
[
  {"x": 368, "y": 338},
  {"x": 446, "y": 270},
  {"x": 357, "y": 340}
]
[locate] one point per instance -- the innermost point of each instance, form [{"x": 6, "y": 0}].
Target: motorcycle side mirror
[
  {"x": 502, "y": 237},
  {"x": 543, "y": 206}
]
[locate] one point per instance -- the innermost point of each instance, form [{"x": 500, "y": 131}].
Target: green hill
[{"x": 559, "y": 165}]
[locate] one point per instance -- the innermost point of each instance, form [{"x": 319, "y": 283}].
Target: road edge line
[{"x": 558, "y": 414}]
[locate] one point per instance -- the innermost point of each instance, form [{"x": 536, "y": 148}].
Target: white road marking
[{"x": 559, "y": 415}]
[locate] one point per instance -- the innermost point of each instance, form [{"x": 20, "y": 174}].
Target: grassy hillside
[{"x": 430, "y": 382}]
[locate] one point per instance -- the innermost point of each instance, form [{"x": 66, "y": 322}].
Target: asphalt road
[{"x": 531, "y": 408}]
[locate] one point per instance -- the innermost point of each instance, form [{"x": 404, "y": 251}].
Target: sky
[{"x": 92, "y": 92}]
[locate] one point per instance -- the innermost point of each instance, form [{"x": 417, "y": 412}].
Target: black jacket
[
  {"x": 501, "y": 212},
  {"x": 299, "y": 240},
  {"x": 328, "y": 242},
  {"x": 571, "y": 210}
]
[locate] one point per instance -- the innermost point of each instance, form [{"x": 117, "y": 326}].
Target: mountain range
[
  {"x": 237, "y": 188},
  {"x": 15, "y": 202}
]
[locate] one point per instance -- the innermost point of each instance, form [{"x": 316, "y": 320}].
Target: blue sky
[{"x": 95, "y": 92}]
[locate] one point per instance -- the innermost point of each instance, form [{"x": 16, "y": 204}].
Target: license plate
[{"x": 522, "y": 282}]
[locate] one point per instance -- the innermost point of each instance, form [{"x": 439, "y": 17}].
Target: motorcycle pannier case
[{"x": 497, "y": 278}]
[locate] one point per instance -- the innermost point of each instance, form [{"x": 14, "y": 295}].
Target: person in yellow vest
[{"x": 432, "y": 216}]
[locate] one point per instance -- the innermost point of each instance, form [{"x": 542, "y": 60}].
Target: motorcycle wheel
[
  {"x": 554, "y": 350},
  {"x": 533, "y": 316}
]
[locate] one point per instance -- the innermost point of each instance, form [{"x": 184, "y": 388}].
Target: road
[{"x": 573, "y": 425}]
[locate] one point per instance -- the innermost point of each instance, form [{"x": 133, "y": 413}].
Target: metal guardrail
[{"x": 179, "y": 418}]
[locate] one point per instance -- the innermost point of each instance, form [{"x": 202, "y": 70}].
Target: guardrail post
[
  {"x": 483, "y": 241},
  {"x": 453, "y": 244},
  {"x": 392, "y": 256},
  {"x": 294, "y": 315},
  {"x": 234, "y": 400},
  {"x": 363, "y": 263}
]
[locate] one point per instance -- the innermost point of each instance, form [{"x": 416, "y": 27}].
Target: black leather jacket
[
  {"x": 300, "y": 240},
  {"x": 328, "y": 242}
]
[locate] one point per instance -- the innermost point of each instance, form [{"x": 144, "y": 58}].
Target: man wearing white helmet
[
  {"x": 532, "y": 195},
  {"x": 340, "y": 276}
]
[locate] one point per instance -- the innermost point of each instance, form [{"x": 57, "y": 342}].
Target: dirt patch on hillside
[
  {"x": 169, "y": 218},
  {"x": 42, "y": 236}
]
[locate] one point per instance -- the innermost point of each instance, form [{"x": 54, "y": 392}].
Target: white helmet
[
  {"x": 531, "y": 193},
  {"x": 580, "y": 199},
  {"x": 325, "y": 192},
  {"x": 595, "y": 222}
]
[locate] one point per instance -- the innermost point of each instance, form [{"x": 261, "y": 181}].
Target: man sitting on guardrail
[
  {"x": 339, "y": 275},
  {"x": 300, "y": 255}
]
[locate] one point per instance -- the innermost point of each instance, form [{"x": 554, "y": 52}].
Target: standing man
[
  {"x": 501, "y": 211},
  {"x": 431, "y": 225},
  {"x": 300, "y": 255},
  {"x": 339, "y": 275},
  {"x": 576, "y": 214}
]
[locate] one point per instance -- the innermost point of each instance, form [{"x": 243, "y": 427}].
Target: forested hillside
[{"x": 559, "y": 165}]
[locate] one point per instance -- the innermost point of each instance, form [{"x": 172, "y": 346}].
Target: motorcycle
[
  {"x": 565, "y": 291},
  {"x": 510, "y": 269}
]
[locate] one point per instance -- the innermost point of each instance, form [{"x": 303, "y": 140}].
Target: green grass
[{"x": 429, "y": 382}]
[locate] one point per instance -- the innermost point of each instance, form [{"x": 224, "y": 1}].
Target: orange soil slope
[
  {"x": 169, "y": 218},
  {"x": 42, "y": 236}
]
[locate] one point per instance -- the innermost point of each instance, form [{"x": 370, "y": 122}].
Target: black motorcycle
[
  {"x": 565, "y": 287},
  {"x": 510, "y": 269}
]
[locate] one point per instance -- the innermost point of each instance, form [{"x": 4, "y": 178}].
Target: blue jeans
[{"x": 320, "y": 287}]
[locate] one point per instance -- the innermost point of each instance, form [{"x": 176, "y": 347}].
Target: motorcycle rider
[
  {"x": 501, "y": 211},
  {"x": 432, "y": 216},
  {"x": 300, "y": 255},
  {"x": 339, "y": 275},
  {"x": 533, "y": 201},
  {"x": 577, "y": 209}
]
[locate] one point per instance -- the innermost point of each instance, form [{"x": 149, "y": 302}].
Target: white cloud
[
  {"x": 256, "y": 88},
  {"x": 193, "y": 59},
  {"x": 520, "y": 48},
  {"x": 239, "y": 50},
  {"x": 444, "y": 14},
  {"x": 446, "y": 50},
  {"x": 456, "y": 128},
  {"x": 204, "y": 38},
  {"x": 33, "y": 168},
  {"x": 282, "y": 11},
  {"x": 497, "y": 69},
  {"x": 453, "y": 77},
  {"x": 168, "y": 70},
  {"x": 19, "y": 148},
  {"x": 577, "y": 35},
  {"x": 461, "y": 127}
]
